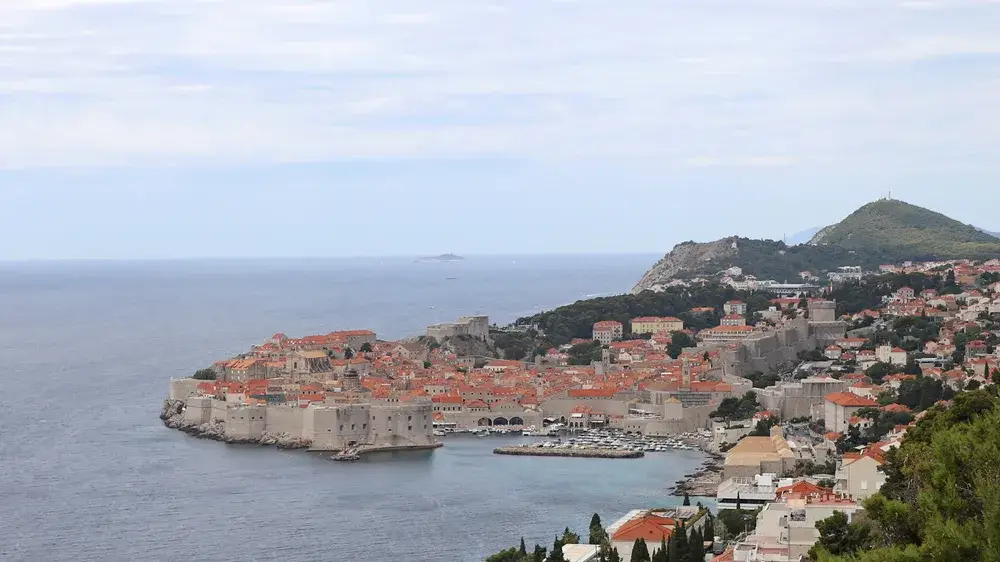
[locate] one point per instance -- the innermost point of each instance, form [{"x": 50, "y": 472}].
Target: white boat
[
  {"x": 483, "y": 433},
  {"x": 438, "y": 433}
]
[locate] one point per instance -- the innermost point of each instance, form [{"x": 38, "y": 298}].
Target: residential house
[{"x": 840, "y": 407}]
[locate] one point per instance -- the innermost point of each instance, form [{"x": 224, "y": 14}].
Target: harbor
[{"x": 558, "y": 437}]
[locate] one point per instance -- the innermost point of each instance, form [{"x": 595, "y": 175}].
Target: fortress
[
  {"x": 767, "y": 351},
  {"x": 331, "y": 426},
  {"x": 475, "y": 326}
]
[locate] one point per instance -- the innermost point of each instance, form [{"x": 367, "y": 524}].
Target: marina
[{"x": 598, "y": 439}]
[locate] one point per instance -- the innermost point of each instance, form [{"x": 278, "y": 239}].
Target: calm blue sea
[{"x": 87, "y": 471}]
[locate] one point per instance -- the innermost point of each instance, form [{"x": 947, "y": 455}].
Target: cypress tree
[
  {"x": 682, "y": 542},
  {"x": 687, "y": 499},
  {"x": 539, "y": 554},
  {"x": 613, "y": 555},
  {"x": 640, "y": 552},
  {"x": 697, "y": 547},
  {"x": 557, "y": 554},
  {"x": 661, "y": 553},
  {"x": 596, "y": 530},
  {"x": 672, "y": 555},
  {"x": 522, "y": 551}
]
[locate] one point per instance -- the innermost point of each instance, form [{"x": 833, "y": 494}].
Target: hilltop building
[
  {"x": 607, "y": 331},
  {"x": 475, "y": 326}
]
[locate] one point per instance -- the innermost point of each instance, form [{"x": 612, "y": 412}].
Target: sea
[{"x": 88, "y": 471}]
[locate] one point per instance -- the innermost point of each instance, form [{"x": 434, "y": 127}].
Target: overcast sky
[{"x": 186, "y": 128}]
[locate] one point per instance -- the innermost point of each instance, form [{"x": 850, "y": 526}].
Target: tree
[
  {"x": 680, "y": 537},
  {"x": 696, "y": 547},
  {"x": 912, "y": 368},
  {"x": 640, "y": 552},
  {"x": 613, "y": 555},
  {"x": 556, "y": 554},
  {"x": 837, "y": 536},
  {"x": 662, "y": 554},
  {"x": 366, "y": 347},
  {"x": 539, "y": 554},
  {"x": 427, "y": 364},
  {"x": 678, "y": 341},
  {"x": 687, "y": 499},
  {"x": 569, "y": 537},
  {"x": 348, "y": 353},
  {"x": 941, "y": 499},
  {"x": 597, "y": 533},
  {"x": 523, "y": 551},
  {"x": 763, "y": 427},
  {"x": 879, "y": 371},
  {"x": 207, "y": 374}
]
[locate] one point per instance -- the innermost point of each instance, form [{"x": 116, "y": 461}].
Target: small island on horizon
[{"x": 440, "y": 259}]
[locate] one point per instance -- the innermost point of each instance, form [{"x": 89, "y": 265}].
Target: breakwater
[{"x": 558, "y": 452}]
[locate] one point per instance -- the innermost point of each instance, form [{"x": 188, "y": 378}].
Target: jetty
[{"x": 567, "y": 452}]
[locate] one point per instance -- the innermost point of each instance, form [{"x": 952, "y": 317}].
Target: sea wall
[{"x": 577, "y": 453}]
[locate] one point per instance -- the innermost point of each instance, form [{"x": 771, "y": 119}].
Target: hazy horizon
[{"x": 172, "y": 129}]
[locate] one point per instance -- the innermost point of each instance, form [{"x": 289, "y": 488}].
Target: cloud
[{"x": 750, "y": 82}]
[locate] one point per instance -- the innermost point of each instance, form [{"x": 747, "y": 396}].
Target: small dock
[{"x": 561, "y": 452}]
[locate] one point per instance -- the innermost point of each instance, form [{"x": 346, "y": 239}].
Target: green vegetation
[
  {"x": 771, "y": 259},
  {"x": 941, "y": 499},
  {"x": 577, "y": 320},
  {"x": 921, "y": 393},
  {"x": 207, "y": 374},
  {"x": 732, "y": 409},
  {"x": 678, "y": 341},
  {"x": 761, "y": 380},
  {"x": 365, "y": 348},
  {"x": 853, "y": 297},
  {"x": 733, "y": 522},
  {"x": 585, "y": 353},
  {"x": 891, "y": 231},
  {"x": 598, "y": 536},
  {"x": 517, "y": 345},
  {"x": 763, "y": 427}
]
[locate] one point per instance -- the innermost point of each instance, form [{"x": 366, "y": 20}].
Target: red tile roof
[{"x": 850, "y": 400}]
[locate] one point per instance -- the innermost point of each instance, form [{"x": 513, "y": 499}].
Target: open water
[{"x": 87, "y": 471}]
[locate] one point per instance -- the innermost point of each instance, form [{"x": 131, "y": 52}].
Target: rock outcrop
[
  {"x": 172, "y": 415},
  {"x": 687, "y": 258}
]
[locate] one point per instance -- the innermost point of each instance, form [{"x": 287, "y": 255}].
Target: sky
[{"x": 268, "y": 128}]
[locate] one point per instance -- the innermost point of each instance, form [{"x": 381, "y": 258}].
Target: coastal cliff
[
  {"x": 172, "y": 415},
  {"x": 688, "y": 258}
]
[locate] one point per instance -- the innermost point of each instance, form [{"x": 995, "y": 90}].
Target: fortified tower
[{"x": 822, "y": 311}]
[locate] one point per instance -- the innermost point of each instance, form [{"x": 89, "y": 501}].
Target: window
[
  {"x": 364, "y": 426},
  {"x": 352, "y": 427},
  {"x": 409, "y": 418},
  {"x": 341, "y": 427},
  {"x": 409, "y": 428}
]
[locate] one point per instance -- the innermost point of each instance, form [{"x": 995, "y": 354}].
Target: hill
[
  {"x": 899, "y": 231},
  {"x": 885, "y": 231}
]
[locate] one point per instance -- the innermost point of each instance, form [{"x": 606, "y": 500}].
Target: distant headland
[{"x": 440, "y": 259}]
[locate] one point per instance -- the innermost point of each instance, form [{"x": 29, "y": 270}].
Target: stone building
[
  {"x": 475, "y": 326},
  {"x": 329, "y": 426}
]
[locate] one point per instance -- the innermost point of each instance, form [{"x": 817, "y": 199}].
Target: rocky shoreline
[
  {"x": 579, "y": 453},
  {"x": 172, "y": 415},
  {"x": 703, "y": 483}
]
